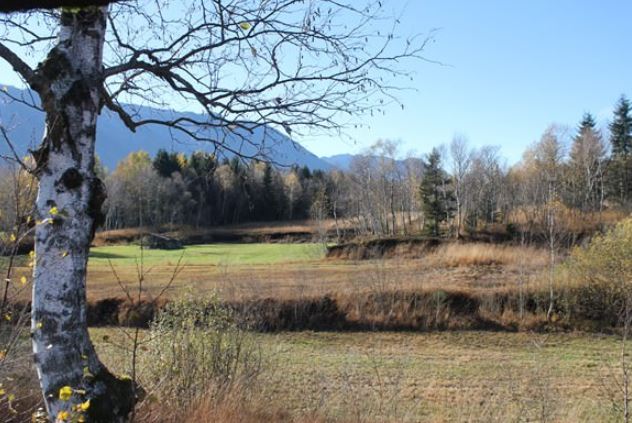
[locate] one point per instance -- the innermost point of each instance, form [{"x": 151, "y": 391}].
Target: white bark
[{"x": 68, "y": 204}]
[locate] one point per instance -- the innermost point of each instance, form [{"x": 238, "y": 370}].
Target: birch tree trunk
[{"x": 69, "y": 208}]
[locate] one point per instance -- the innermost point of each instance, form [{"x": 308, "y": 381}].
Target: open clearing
[
  {"x": 296, "y": 271},
  {"x": 432, "y": 377},
  {"x": 382, "y": 376},
  {"x": 207, "y": 255},
  {"x": 238, "y": 271}
]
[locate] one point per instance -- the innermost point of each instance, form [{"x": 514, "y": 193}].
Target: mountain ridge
[{"x": 25, "y": 126}]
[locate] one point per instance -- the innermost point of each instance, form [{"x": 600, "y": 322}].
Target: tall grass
[
  {"x": 483, "y": 254},
  {"x": 195, "y": 353}
]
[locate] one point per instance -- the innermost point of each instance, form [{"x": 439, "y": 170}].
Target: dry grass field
[
  {"x": 366, "y": 377},
  {"x": 285, "y": 286},
  {"x": 301, "y": 270},
  {"x": 413, "y": 374},
  {"x": 429, "y": 377},
  {"x": 285, "y": 270}
]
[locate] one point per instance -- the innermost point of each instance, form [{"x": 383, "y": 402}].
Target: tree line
[
  {"x": 201, "y": 190},
  {"x": 452, "y": 189}
]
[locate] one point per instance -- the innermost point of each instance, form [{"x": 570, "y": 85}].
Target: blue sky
[{"x": 513, "y": 68}]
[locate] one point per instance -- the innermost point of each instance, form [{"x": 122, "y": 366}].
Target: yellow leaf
[
  {"x": 84, "y": 405},
  {"x": 54, "y": 211},
  {"x": 12, "y": 238},
  {"x": 65, "y": 393},
  {"x": 86, "y": 373},
  {"x": 71, "y": 9},
  {"x": 23, "y": 280},
  {"x": 245, "y": 26},
  {"x": 64, "y": 254},
  {"x": 62, "y": 416},
  {"x": 39, "y": 325},
  {"x": 2, "y": 392}
]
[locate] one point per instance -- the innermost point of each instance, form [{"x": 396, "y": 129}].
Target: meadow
[
  {"x": 207, "y": 255},
  {"x": 299, "y": 270},
  {"x": 456, "y": 376},
  {"x": 395, "y": 349}
]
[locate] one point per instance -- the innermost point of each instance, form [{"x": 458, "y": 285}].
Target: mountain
[
  {"x": 114, "y": 141},
  {"x": 340, "y": 161},
  {"x": 343, "y": 161}
]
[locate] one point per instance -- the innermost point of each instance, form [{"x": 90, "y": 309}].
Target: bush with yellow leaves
[{"x": 603, "y": 271}]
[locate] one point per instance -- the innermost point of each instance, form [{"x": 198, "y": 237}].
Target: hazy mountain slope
[
  {"x": 343, "y": 161},
  {"x": 339, "y": 161},
  {"x": 115, "y": 141}
]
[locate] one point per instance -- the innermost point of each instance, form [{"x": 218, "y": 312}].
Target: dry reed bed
[
  {"x": 434, "y": 253},
  {"x": 481, "y": 254},
  {"x": 426, "y": 310}
]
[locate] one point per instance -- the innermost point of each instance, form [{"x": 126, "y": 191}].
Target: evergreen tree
[
  {"x": 166, "y": 163},
  {"x": 305, "y": 173},
  {"x": 270, "y": 195},
  {"x": 620, "y": 169},
  {"x": 621, "y": 129},
  {"x": 436, "y": 196},
  {"x": 587, "y": 123}
]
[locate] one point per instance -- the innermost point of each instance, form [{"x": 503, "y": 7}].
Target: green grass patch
[{"x": 210, "y": 254}]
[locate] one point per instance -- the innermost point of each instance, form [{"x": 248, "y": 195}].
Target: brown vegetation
[
  {"x": 428, "y": 310},
  {"x": 436, "y": 253},
  {"x": 294, "y": 231}
]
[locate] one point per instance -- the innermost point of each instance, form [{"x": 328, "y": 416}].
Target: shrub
[
  {"x": 603, "y": 269},
  {"x": 196, "y": 350}
]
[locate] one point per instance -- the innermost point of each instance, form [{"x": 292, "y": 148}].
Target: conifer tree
[
  {"x": 436, "y": 196},
  {"x": 621, "y": 129},
  {"x": 270, "y": 197},
  {"x": 166, "y": 163},
  {"x": 620, "y": 169}
]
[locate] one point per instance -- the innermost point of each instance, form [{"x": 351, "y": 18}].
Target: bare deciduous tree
[
  {"x": 243, "y": 63},
  {"x": 25, "y": 5},
  {"x": 461, "y": 159}
]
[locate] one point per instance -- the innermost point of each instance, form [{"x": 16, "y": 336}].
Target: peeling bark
[{"x": 69, "y": 208}]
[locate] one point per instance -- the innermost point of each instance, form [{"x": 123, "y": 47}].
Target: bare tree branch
[
  {"x": 17, "y": 64},
  {"x": 9, "y": 6}
]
